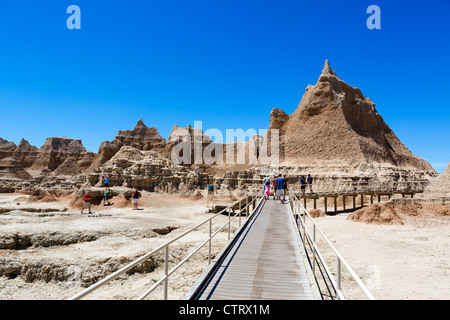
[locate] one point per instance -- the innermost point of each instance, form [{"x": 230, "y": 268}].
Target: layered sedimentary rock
[
  {"x": 141, "y": 137},
  {"x": 335, "y": 122},
  {"x": 65, "y": 154},
  {"x": 134, "y": 168},
  {"x": 336, "y": 130},
  {"x": 335, "y": 134},
  {"x": 440, "y": 186}
]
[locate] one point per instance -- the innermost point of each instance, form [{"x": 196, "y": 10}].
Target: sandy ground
[
  {"x": 70, "y": 250},
  {"x": 64, "y": 251},
  {"x": 401, "y": 262}
]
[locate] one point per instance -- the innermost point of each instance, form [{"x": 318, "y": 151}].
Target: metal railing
[
  {"x": 243, "y": 205},
  {"x": 300, "y": 215},
  {"x": 362, "y": 186}
]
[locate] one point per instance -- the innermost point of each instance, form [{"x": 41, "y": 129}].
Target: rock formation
[
  {"x": 335, "y": 134},
  {"x": 141, "y": 137},
  {"x": 335, "y": 123},
  {"x": 439, "y": 187}
]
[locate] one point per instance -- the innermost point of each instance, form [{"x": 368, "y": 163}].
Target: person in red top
[{"x": 87, "y": 202}]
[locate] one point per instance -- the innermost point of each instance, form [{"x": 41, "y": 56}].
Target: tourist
[
  {"x": 105, "y": 197},
  {"x": 210, "y": 197},
  {"x": 280, "y": 182},
  {"x": 87, "y": 202},
  {"x": 266, "y": 187},
  {"x": 103, "y": 176},
  {"x": 285, "y": 187},
  {"x": 107, "y": 182},
  {"x": 196, "y": 171},
  {"x": 136, "y": 196},
  {"x": 310, "y": 181},
  {"x": 303, "y": 184},
  {"x": 274, "y": 188}
]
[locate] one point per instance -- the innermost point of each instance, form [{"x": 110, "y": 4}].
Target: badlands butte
[
  {"x": 48, "y": 250},
  {"x": 335, "y": 134}
]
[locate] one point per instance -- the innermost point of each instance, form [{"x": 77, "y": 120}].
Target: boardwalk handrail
[
  {"x": 299, "y": 210},
  {"x": 165, "y": 246}
]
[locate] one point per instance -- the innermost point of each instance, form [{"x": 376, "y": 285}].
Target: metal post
[
  {"x": 314, "y": 249},
  {"x": 338, "y": 267},
  {"x": 246, "y": 206},
  {"x": 240, "y": 210},
  {"x": 229, "y": 223},
  {"x": 166, "y": 272},
  {"x": 210, "y": 244}
]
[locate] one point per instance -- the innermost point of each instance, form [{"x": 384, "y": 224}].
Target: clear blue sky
[{"x": 224, "y": 62}]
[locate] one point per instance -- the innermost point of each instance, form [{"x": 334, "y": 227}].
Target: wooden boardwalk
[{"x": 264, "y": 262}]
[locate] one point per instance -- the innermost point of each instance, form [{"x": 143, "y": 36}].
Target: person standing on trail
[
  {"x": 275, "y": 195},
  {"x": 266, "y": 187},
  {"x": 107, "y": 182},
  {"x": 303, "y": 184},
  {"x": 310, "y": 181},
  {"x": 280, "y": 182},
  {"x": 106, "y": 197},
  {"x": 87, "y": 202},
  {"x": 136, "y": 196},
  {"x": 196, "y": 172}
]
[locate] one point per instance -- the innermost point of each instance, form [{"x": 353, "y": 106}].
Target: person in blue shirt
[
  {"x": 281, "y": 183},
  {"x": 310, "y": 181},
  {"x": 303, "y": 185}
]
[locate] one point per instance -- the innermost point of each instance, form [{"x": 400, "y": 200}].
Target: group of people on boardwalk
[{"x": 280, "y": 185}]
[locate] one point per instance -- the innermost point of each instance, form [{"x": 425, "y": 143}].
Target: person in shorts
[
  {"x": 310, "y": 181},
  {"x": 274, "y": 189},
  {"x": 266, "y": 183},
  {"x": 302, "y": 185},
  {"x": 87, "y": 202},
  {"x": 136, "y": 196},
  {"x": 280, "y": 182}
]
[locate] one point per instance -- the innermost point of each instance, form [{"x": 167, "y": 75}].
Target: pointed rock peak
[
  {"x": 140, "y": 123},
  {"x": 327, "y": 69}
]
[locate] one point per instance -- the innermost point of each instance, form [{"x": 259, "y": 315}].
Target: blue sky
[{"x": 224, "y": 62}]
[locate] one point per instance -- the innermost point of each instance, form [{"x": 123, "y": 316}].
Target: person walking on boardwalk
[
  {"x": 303, "y": 184},
  {"x": 310, "y": 181},
  {"x": 136, "y": 196},
  {"x": 266, "y": 187},
  {"x": 280, "y": 181},
  {"x": 275, "y": 195},
  {"x": 87, "y": 202},
  {"x": 285, "y": 187}
]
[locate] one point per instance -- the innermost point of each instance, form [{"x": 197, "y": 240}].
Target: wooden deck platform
[{"x": 264, "y": 262}]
